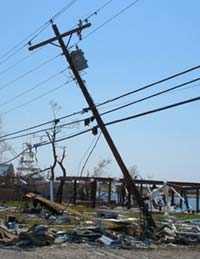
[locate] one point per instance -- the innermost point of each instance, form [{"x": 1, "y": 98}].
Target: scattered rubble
[{"x": 58, "y": 224}]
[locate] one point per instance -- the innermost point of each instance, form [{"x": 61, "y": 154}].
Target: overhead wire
[
  {"x": 195, "y": 99},
  {"x": 32, "y": 88},
  {"x": 97, "y": 10},
  {"x": 41, "y": 124},
  {"x": 64, "y": 9},
  {"x": 106, "y": 22},
  {"x": 15, "y": 157},
  {"x": 151, "y": 96},
  {"x": 15, "y": 51},
  {"x": 29, "y": 72},
  {"x": 42, "y": 130},
  {"x": 84, "y": 156},
  {"x": 17, "y": 63},
  {"x": 90, "y": 154},
  {"x": 112, "y": 18},
  {"x": 37, "y": 97},
  {"x": 45, "y": 143},
  {"x": 65, "y": 138},
  {"x": 149, "y": 85},
  {"x": 186, "y": 88}
]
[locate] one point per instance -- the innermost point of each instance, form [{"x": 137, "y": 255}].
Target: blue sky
[{"x": 151, "y": 40}]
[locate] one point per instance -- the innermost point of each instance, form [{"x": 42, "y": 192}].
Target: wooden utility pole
[{"x": 129, "y": 181}]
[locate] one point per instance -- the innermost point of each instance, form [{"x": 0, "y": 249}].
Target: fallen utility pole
[{"x": 132, "y": 188}]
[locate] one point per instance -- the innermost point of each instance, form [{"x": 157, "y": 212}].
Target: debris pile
[
  {"x": 58, "y": 224},
  {"x": 38, "y": 235}
]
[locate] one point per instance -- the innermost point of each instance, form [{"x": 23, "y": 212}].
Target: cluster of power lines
[{"x": 40, "y": 127}]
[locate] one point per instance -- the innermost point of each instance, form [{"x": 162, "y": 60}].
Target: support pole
[
  {"x": 129, "y": 181},
  {"x": 93, "y": 193},
  {"x": 52, "y": 190},
  {"x": 197, "y": 200},
  {"x": 186, "y": 200},
  {"x": 75, "y": 194},
  {"x": 172, "y": 198},
  {"x": 132, "y": 189},
  {"x": 109, "y": 191},
  {"x": 181, "y": 201}
]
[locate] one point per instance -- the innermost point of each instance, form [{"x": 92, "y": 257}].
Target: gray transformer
[{"x": 79, "y": 60}]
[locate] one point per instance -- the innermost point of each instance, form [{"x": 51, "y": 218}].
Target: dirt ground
[{"x": 76, "y": 251}]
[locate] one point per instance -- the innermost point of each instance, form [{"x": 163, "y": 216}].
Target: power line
[
  {"x": 154, "y": 110},
  {"x": 37, "y": 97},
  {"x": 186, "y": 88},
  {"x": 15, "y": 51},
  {"x": 64, "y": 9},
  {"x": 151, "y": 96},
  {"x": 32, "y": 88},
  {"x": 89, "y": 155},
  {"x": 107, "y": 21},
  {"x": 17, "y": 63},
  {"x": 29, "y": 72},
  {"x": 65, "y": 138},
  {"x": 15, "y": 157},
  {"x": 84, "y": 156},
  {"x": 149, "y": 85},
  {"x": 42, "y": 130},
  {"x": 97, "y": 10},
  {"x": 112, "y": 18},
  {"x": 40, "y": 125},
  {"x": 46, "y": 143}
]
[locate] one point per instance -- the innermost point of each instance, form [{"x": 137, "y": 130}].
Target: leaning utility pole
[{"x": 129, "y": 181}]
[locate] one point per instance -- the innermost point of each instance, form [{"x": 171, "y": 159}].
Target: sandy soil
[{"x": 76, "y": 251}]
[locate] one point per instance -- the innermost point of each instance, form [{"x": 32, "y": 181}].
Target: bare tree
[
  {"x": 99, "y": 170},
  {"x": 52, "y": 137},
  {"x": 59, "y": 193},
  {"x": 134, "y": 172}
]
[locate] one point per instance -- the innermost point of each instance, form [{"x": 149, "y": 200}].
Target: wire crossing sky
[{"x": 129, "y": 45}]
